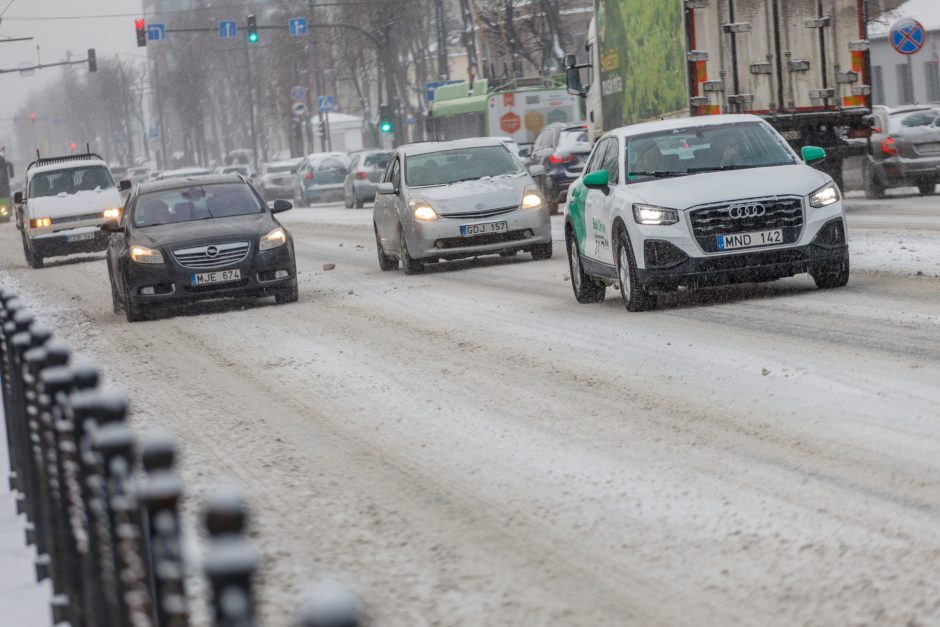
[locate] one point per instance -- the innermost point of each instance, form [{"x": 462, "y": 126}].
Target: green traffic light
[
  {"x": 385, "y": 127},
  {"x": 252, "y": 37}
]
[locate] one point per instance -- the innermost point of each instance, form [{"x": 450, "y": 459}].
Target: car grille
[
  {"x": 484, "y": 213},
  {"x": 714, "y": 220},
  {"x": 480, "y": 240},
  {"x": 87, "y": 216},
  {"x": 212, "y": 256}
]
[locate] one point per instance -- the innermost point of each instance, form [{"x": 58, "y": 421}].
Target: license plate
[
  {"x": 80, "y": 237},
  {"x": 747, "y": 240},
  {"x": 932, "y": 147},
  {"x": 221, "y": 276},
  {"x": 469, "y": 230}
]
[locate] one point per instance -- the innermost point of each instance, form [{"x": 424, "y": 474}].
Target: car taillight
[
  {"x": 889, "y": 147},
  {"x": 361, "y": 175},
  {"x": 556, "y": 160},
  {"x": 308, "y": 175}
]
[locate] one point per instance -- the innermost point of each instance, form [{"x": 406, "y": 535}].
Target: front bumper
[
  {"x": 57, "y": 243},
  {"x": 441, "y": 239},
  {"x": 172, "y": 283}
]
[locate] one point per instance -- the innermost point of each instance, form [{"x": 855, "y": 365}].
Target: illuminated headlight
[
  {"x": 142, "y": 254},
  {"x": 825, "y": 196},
  {"x": 39, "y": 223},
  {"x": 531, "y": 199},
  {"x": 645, "y": 214},
  {"x": 113, "y": 213},
  {"x": 273, "y": 239},
  {"x": 4, "y": 211},
  {"x": 422, "y": 210}
]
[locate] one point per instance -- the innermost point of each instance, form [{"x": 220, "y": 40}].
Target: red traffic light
[
  {"x": 141, "y": 32},
  {"x": 73, "y": 146},
  {"x": 32, "y": 116}
]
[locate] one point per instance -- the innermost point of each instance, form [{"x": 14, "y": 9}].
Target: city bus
[{"x": 6, "y": 203}]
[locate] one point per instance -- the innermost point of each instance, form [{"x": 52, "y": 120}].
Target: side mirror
[
  {"x": 18, "y": 198},
  {"x": 813, "y": 154},
  {"x": 386, "y": 188},
  {"x": 112, "y": 226},
  {"x": 537, "y": 169},
  {"x": 597, "y": 180},
  {"x": 573, "y": 79},
  {"x": 281, "y": 205},
  {"x": 125, "y": 185},
  {"x": 524, "y": 152},
  {"x": 570, "y": 61}
]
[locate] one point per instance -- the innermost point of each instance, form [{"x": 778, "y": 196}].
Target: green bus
[{"x": 6, "y": 204}]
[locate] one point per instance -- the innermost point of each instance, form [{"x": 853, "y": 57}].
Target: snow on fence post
[
  {"x": 231, "y": 561},
  {"x": 160, "y": 494}
]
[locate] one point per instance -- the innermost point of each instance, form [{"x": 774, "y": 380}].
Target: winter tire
[
  {"x": 409, "y": 265},
  {"x": 831, "y": 276},
  {"x": 635, "y": 296},
  {"x": 586, "y": 289},
  {"x": 386, "y": 263}
]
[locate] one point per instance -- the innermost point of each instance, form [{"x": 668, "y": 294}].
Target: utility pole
[
  {"x": 164, "y": 162},
  {"x": 443, "y": 71}
]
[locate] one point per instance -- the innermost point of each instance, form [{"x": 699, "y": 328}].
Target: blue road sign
[
  {"x": 326, "y": 103},
  {"x": 154, "y": 133},
  {"x": 228, "y": 29},
  {"x": 156, "y": 32},
  {"x": 298, "y": 26},
  {"x": 908, "y": 36},
  {"x": 432, "y": 86},
  {"x": 297, "y": 93}
]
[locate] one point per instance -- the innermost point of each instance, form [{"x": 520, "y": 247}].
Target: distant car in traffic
[
  {"x": 244, "y": 170},
  {"x": 905, "y": 150},
  {"x": 697, "y": 202},
  {"x": 365, "y": 169},
  {"x": 277, "y": 179},
  {"x": 457, "y": 199},
  {"x": 181, "y": 173},
  {"x": 320, "y": 178},
  {"x": 138, "y": 174},
  {"x": 561, "y": 149},
  {"x": 185, "y": 240}
]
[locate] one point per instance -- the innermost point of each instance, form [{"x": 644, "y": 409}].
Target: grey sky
[{"x": 107, "y": 36}]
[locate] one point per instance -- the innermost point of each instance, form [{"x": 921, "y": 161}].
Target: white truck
[
  {"x": 802, "y": 66},
  {"x": 63, "y": 205}
]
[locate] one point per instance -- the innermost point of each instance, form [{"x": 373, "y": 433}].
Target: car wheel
[
  {"x": 874, "y": 189},
  {"x": 927, "y": 187},
  {"x": 409, "y": 265},
  {"x": 542, "y": 251},
  {"x": 290, "y": 295},
  {"x": 831, "y": 276},
  {"x": 586, "y": 289},
  {"x": 386, "y": 263},
  {"x": 348, "y": 201},
  {"x": 33, "y": 258},
  {"x": 115, "y": 297},
  {"x": 635, "y": 296},
  {"x": 134, "y": 313}
]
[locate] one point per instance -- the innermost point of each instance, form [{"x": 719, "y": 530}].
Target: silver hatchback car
[{"x": 450, "y": 200}]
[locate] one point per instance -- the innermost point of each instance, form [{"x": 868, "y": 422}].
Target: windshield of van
[
  {"x": 71, "y": 181},
  {"x": 463, "y": 164},
  {"x": 201, "y": 202},
  {"x": 679, "y": 152}
]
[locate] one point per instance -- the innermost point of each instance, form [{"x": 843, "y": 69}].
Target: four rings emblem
[{"x": 750, "y": 210}]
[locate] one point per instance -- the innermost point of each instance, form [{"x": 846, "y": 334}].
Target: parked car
[
  {"x": 182, "y": 173},
  {"x": 138, "y": 174},
  {"x": 281, "y": 155},
  {"x": 244, "y": 170},
  {"x": 701, "y": 201},
  {"x": 365, "y": 169},
  {"x": 904, "y": 150},
  {"x": 561, "y": 149},
  {"x": 65, "y": 202},
  {"x": 457, "y": 199},
  {"x": 185, "y": 240},
  {"x": 320, "y": 178},
  {"x": 277, "y": 179},
  {"x": 239, "y": 156}
]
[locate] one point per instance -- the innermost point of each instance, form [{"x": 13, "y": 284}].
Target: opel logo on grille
[
  {"x": 750, "y": 210},
  {"x": 212, "y": 251}
]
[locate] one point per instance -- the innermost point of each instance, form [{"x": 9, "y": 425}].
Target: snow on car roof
[
  {"x": 677, "y": 123},
  {"x": 424, "y": 148},
  {"x": 66, "y": 165}
]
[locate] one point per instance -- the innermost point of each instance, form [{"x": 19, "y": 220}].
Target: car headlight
[
  {"x": 113, "y": 213},
  {"x": 4, "y": 211},
  {"x": 825, "y": 196},
  {"x": 422, "y": 210},
  {"x": 142, "y": 254},
  {"x": 531, "y": 199},
  {"x": 273, "y": 239},
  {"x": 645, "y": 214},
  {"x": 39, "y": 223}
]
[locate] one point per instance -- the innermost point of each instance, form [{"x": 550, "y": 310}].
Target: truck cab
[{"x": 64, "y": 202}]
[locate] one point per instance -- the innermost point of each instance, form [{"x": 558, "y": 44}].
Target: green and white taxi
[{"x": 697, "y": 202}]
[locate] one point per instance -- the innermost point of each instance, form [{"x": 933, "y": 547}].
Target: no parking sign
[{"x": 908, "y": 36}]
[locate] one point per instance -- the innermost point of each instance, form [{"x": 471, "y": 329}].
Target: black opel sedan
[{"x": 198, "y": 238}]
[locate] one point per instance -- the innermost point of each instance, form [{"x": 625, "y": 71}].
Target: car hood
[
  {"x": 716, "y": 187},
  {"x": 205, "y": 231},
  {"x": 478, "y": 195},
  {"x": 79, "y": 203}
]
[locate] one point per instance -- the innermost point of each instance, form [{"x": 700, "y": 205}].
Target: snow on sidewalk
[{"x": 23, "y": 602}]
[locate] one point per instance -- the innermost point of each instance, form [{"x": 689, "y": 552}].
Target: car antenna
[
  {"x": 37, "y": 154},
  {"x": 87, "y": 148}
]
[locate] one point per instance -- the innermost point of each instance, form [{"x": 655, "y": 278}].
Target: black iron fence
[{"x": 103, "y": 508}]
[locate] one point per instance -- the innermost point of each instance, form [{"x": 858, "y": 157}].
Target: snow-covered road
[{"x": 473, "y": 447}]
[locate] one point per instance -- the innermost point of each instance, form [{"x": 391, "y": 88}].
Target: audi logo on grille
[
  {"x": 750, "y": 210},
  {"x": 212, "y": 251}
]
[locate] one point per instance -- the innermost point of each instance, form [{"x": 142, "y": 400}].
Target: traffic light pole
[{"x": 251, "y": 106}]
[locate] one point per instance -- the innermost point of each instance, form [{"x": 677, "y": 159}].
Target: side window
[
  {"x": 597, "y": 158},
  {"x": 396, "y": 173},
  {"x": 387, "y": 175},
  {"x": 612, "y": 160}
]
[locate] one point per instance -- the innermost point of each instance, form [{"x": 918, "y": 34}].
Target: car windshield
[
  {"x": 463, "y": 164},
  {"x": 378, "y": 161},
  {"x": 914, "y": 119},
  {"x": 198, "y": 202},
  {"x": 573, "y": 139},
  {"x": 70, "y": 181},
  {"x": 708, "y": 148}
]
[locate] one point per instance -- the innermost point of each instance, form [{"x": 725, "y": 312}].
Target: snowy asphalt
[{"x": 473, "y": 447}]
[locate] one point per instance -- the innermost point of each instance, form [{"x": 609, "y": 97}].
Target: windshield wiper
[
  {"x": 657, "y": 174},
  {"x": 721, "y": 168}
]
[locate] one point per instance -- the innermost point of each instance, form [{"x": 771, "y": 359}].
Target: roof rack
[{"x": 40, "y": 161}]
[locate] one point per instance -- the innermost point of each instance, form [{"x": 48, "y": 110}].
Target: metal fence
[{"x": 103, "y": 509}]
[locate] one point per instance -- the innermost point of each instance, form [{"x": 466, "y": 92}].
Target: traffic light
[
  {"x": 385, "y": 120},
  {"x": 252, "y": 28},
  {"x": 141, "y": 32},
  {"x": 32, "y": 117},
  {"x": 92, "y": 60}
]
